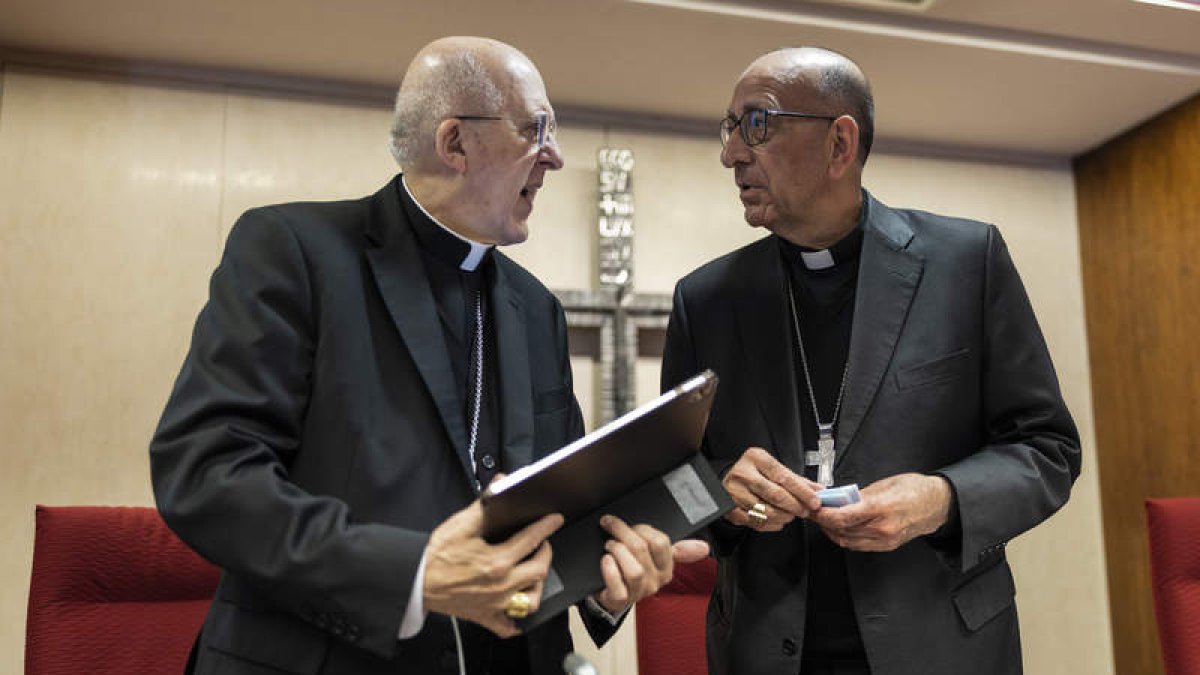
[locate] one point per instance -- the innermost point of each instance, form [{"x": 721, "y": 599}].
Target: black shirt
[
  {"x": 457, "y": 274},
  {"x": 824, "y": 301}
]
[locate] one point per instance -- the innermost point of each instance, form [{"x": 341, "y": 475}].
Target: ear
[
  {"x": 843, "y": 141},
  {"x": 448, "y": 143}
]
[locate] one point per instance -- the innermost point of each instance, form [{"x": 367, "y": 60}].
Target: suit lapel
[
  {"x": 887, "y": 281},
  {"x": 763, "y": 324},
  {"x": 512, "y": 355},
  {"x": 400, "y": 275}
]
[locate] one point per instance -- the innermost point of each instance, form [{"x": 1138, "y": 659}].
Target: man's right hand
[
  {"x": 471, "y": 579},
  {"x": 759, "y": 478}
]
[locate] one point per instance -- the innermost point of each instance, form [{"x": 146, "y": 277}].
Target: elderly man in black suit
[
  {"x": 892, "y": 349},
  {"x": 361, "y": 370}
]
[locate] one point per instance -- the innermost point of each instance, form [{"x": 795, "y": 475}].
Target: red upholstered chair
[
  {"x": 1174, "y": 526},
  {"x": 670, "y": 624},
  {"x": 112, "y": 591}
]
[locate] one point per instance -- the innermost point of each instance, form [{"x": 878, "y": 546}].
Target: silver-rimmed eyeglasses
[{"x": 543, "y": 126}]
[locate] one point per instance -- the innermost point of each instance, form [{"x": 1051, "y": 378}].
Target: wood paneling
[{"x": 1139, "y": 229}]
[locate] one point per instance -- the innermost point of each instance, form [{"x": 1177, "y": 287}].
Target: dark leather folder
[{"x": 643, "y": 467}]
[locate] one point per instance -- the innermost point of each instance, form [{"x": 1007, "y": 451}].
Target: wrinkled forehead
[
  {"x": 524, "y": 91},
  {"x": 521, "y": 91},
  {"x": 767, "y": 87}
]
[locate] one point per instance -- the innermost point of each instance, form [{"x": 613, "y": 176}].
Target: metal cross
[{"x": 613, "y": 324}]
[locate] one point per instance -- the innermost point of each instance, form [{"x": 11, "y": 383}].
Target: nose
[
  {"x": 551, "y": 155},
  {"x": 735, "y": 151}
]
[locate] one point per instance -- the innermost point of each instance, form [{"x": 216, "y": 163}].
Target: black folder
[{"x": 643, "y": 467}]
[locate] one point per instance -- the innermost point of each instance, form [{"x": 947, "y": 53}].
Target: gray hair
[
  {"x": 844, "y": 83},
  {"x": 456, "y": 83}
]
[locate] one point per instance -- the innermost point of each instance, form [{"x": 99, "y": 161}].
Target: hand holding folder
[
  {"x": 644, "y": 467},
  {"x": 472, "y": 579}
]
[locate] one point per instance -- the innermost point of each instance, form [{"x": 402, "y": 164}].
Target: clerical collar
[
  {"x": 446, "y": 244},
  {"x": 845, "y": 250}
]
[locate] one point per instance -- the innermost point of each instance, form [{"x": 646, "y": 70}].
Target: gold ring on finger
[
  {"x": 757, "y": 513},
  {"x": 518, "y": 605}
]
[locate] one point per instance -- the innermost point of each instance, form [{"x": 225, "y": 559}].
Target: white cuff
[{"x": 414, "y": 614}]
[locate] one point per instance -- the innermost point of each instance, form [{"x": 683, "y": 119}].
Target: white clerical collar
[
  {"x": 817, "y": 260},
  {"x": 848, "y": 247},
  {"x": 474, "y": 256}
]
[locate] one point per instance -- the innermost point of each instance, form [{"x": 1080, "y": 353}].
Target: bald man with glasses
[
  {"x": 361, "y": 371},
  {"x": 890, "y": 350}
]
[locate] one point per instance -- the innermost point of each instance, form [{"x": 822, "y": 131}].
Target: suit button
[
  {"x": 789, "y": 647},
  {"x": 353, "y": 633},
  {"x": 488, "y": 461}
]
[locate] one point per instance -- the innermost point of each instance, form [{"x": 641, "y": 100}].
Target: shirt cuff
[
  {"x": 414, "y": 614},
  {"x": 948, "y": 537},
  {"x": 598, "y": 610}
]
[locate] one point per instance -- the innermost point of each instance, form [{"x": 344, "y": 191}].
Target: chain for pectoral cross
[
  {"x": 477, "y": 398},
  {"x": 824, "y": 456}
]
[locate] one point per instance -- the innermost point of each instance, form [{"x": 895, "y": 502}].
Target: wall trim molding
[
  {"x": 378, "y": 95},
  {"x": 939, "y": 31}
]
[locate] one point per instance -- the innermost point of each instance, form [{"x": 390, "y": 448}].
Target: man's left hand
[
  {"x": 893, "y": 511},
  {"x": 639, "y": 560}
]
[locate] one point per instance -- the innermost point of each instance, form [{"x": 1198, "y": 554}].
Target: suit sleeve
[
  {"x": 219, "y": 459},
  {"x": 1031, "y": 456},
  {"x": 598, "y": 627},
  {"x": 562, "y": 333},
  {"x": 680, "y": 362},
  {"x": 679, "y": 356}
]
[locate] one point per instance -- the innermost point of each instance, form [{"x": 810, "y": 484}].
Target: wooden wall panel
[{"x": 1139, "y": 229}]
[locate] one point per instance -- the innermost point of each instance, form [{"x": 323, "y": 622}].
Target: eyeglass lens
[
  {"x": 545, "y": 128},
  {"x": 752, "y": 125}
]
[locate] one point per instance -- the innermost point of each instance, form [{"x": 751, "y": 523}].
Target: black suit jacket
[
  {"x": 948, "y": 373},
  {"x": 314, "y": 437}
]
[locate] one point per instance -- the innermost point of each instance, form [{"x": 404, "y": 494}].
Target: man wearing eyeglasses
[
  {"x": 890, "y": 349},
  {"x": 361, "y": 370}
]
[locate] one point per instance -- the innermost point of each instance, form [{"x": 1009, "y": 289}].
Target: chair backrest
[
  {"x": 1174, "y": 526},
  {"x": 113, "y": 590},
  {"x": 670, "y": 624}
]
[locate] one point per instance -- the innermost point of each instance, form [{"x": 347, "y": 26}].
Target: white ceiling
[{"x": 1024, "y": 78}]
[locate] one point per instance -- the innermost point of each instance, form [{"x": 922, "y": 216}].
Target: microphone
[{"x": 575, "y": 664}]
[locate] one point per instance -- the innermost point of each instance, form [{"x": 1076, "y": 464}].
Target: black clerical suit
[
  {"x": 949, "y": 374},
  {"x": 821, "y": 292},
  {"x": 318, "y": 432}
]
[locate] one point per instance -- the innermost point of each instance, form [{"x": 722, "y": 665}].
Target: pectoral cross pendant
[{"x": 823, "y": 457}]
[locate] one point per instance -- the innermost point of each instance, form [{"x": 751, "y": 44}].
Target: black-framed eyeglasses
[
  {"x": 754, "y": 122},
  {"x": 544, "y": 126}
]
